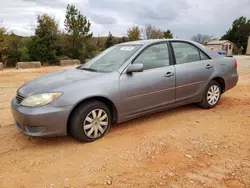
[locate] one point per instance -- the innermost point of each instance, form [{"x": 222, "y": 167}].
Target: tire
[
  {"x": 214, "y": 88},
  {"x": 86, "y": 121}
]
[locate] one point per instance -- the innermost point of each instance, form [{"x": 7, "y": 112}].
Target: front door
[
  {"x": 151, "y": 89},
  {"x": 193, "y": 71}
]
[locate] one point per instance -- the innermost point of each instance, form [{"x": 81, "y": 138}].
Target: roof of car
[
  {"x": 149, "y": 41},
  {"x": 212, "y": 54}
]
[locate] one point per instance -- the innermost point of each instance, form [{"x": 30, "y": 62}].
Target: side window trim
[
  {"x": 200, "y": 55},
  {"x": 173, "y": 54}
]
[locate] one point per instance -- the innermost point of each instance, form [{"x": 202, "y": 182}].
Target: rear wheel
[
  {"x": 90, "y": 121},
  {"x": 211, "y": 95}
]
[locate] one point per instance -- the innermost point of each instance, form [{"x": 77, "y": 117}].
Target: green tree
[
  {"x": 17, "y": 49},
  {"x": 239, "y": 32},
  {"x": 3, "y": 45},
  {"x": 13, "y": 44},
  {"x": 43, "y": 47},
  {"x": 78, "y": 30},
  {"x": 134, "y": 33},
  {"x": 109, "y": 41},
  {"x": 168, "y": 34},
  {"x": 23, "y": 53}
]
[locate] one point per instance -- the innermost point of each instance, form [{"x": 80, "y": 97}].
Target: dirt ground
[{"x": 183, "y": 147}]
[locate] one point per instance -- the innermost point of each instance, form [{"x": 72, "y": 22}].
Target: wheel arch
[
  {"x": 110, "y": 104},
  {"x": 221, "y": 81}
]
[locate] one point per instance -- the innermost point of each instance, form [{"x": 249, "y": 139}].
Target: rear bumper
[
  {"x": 43, "y": 121},
  {"x": 232, "y": 81}
]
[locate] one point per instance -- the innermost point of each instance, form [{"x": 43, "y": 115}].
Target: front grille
[{"x": 19, "y": 98}]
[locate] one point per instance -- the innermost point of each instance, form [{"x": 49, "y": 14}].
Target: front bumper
[{"x": 43, "y": 121}]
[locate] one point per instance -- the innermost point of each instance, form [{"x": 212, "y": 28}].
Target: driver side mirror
[{"x": 137, "y": 67}]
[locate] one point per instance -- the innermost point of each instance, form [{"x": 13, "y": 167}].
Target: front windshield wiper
[{"x": 87, "y": 69}]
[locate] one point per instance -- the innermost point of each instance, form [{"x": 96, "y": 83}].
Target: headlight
[{"x": 40, "y": 99}]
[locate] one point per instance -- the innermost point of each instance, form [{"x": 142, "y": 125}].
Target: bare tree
[
  {"x": 152, "y": 32},
  {"x": 200, "y": 38}
]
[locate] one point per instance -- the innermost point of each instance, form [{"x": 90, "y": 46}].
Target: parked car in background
[{"x": 124, "y": 82}]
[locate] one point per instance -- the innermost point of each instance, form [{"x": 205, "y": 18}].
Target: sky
[{"x": 185, "y": 18}]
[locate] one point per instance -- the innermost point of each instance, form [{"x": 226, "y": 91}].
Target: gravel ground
[{"x": 182, "y": 147}]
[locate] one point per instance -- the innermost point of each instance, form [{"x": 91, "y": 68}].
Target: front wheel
[
  {"x": 211, "y": 95},
  {"x": 90, "y": 121}
]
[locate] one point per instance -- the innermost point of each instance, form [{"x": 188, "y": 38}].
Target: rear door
[
  {"x": 193, "y": 70},
  {"x": 154, "y": 87}
]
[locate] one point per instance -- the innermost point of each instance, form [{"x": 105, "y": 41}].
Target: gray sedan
[{"x": 126, "y": 81}]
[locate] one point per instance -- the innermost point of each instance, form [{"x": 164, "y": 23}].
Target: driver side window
[{"x": 154, "y": 56}]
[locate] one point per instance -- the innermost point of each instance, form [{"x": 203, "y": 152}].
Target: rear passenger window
[{"x": 185, "y": 52}]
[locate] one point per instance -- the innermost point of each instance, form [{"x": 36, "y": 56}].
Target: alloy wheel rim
[
  {"x": 213, "y": 95},
  {"x": 95, "y": 123}
]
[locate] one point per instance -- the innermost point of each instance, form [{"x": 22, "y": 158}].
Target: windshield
[{"x": 111, "y": 59}]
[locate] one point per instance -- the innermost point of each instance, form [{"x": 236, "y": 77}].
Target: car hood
[{"x": 53, "y": 81}]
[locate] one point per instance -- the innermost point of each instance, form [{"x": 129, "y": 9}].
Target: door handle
[
  {"x": 169, "y": 74},
  {"x": 209, "y": 66}
]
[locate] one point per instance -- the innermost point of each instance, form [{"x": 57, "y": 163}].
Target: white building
[
  {"x": 221, "y": 45},
  {"x": 248, "y": 46}
]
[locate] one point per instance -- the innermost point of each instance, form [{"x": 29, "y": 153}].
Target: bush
[
  {"x": 237, "y": 50},
  {"x": 95, "y": 53},
  {"x": 23, "y": 53}
]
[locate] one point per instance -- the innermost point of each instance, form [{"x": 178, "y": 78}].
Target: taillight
[{"x": 236, "y": 63}]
